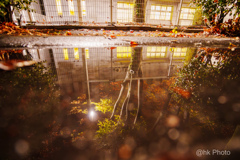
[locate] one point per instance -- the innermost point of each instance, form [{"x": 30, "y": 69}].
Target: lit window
[
  {"x": 83, "y": 5},
  {"x": 71, "y": 7},
  {"x": 161, "y": 12},
  {"x": 156, "y": 52},
  {"x": 87, "y": 53},
  {"x": 65, "y": 53},
  {"x": 180, "y": 52},
  {"x": 76, "y": 54},
  {"x": 59, "y": 7},
  {"x": 124, "y": 12},
  {"x": 124, "y": 52},
  {"x": 187, "y": 13}
]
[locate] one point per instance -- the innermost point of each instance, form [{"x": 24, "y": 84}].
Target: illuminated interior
[
  {"x": 124, "y": 12},
  {"x": 124, "y": 52},
  {"x": 83, "y": 5},
  {"x": 59, "y": 7},
  {"x": 76, "y": 54},
  {"x": 87, "y": 53},
  {"x": 71, "y": 7},
  {"x": 161, "y": 12},
  {"x": 180, "y": 52},
  {"x": 156, "y": 52},
  {"x": 65, "y": 53},
  {"x": 187, "y": 13}
]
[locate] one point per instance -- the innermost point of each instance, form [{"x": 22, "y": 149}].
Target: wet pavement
[
  {"x": 168, "y": 101},
  {"x": 101, "y": 41}
]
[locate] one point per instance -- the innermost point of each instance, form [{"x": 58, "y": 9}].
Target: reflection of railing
[{"x": 107, "y": 12}]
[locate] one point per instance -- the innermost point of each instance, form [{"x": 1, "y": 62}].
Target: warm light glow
[
  {"x": 92, "y": 115},
  {"x": 59, "y": 7},
  {"x": 123, "y": 52},
  {"x": 71, "y": 7},
  {"x": 124, "y": 12},
  {"x": 161, "y": 12},
  {"x": 87, "y": 53},
  {"x": 156, "y": 52},
  {"x": 76, "y": 54},
  {"x": 180, "y": 52},
  {"x": 83, "y": 4},
  {"x": 187, "y": 13},
  {"x": 65, "y": 53}
]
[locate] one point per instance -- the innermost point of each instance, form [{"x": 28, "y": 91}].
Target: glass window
[
  {"x": 156, "y": 52},
  {"x": 65, "y": 53},
  {"x": 124, "y": 12},
  {"x": 124, "y": 52},
  {"x": 161, "y": 12},
  {"x": 187, "y": 13},
  {"x": 71, "y": 7},
  {"x": 59, "y": 7},
  {"x": 83, "y": 5},
  {"x": 180, "y": 52},
  {"x": 87, "y": 53},
  {"x": 76, "y": 54}
]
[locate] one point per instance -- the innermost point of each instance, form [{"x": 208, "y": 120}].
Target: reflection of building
[
  {"x": 107, "y": 64},
  {"x": 49, "y": 12},
  {"x": 79, "y": 67}
]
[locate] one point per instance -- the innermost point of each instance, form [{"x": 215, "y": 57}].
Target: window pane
[
  {"x": 164, "y": 8},
  {"x": 65, "y": 53},
  {"x": 185, "y": 16},
  {"x": 76, "y": 54},
  {"x": 158, "y": 55},
  {"x": 158, "y": 8},
  {"x": 120, "y": 5},
  {"x": 152, "y": 7}
]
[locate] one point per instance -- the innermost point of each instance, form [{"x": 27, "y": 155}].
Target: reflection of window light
[
  {"x": 32, "y": 16},
  {"x": 76, "y": 54},
  {"x": 87, "y": 53},
  {"x": 59, "y": 7},
  {"x": 65, "y": 53},
  {"x": 161, "y": 12},
  {"x": 123, "y": 52},
  {"x": 124, "y": 12},
  {"x": 71, "y": 7},
  {"x": 180, "y": 52},
  {"x": 83, "y": 4},
  {"x": 187, "y": 13},
  {"x": 156, "y": 52}
]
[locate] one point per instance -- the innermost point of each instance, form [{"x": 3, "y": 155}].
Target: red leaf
[{"x": 184, "y": 93}]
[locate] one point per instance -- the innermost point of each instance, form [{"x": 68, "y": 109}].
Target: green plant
[
  {"x": 7, "y": 8},
  {"x": 216, "y": 10},
  {"x": 108, "y": 126},
  {"x": 105, "y": 105}
]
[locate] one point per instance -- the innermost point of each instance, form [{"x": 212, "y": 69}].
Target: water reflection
[{"x": 127, "y": 102}]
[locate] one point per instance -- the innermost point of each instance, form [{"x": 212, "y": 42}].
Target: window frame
[
  {"x": 181, "y": 52},
  {"x": 129, "y": 10},
  {"x": 120, "y": 51},
  {"x": 150, "y": 53},
  {"x": 71, "y": 7},
  {"x": 59, "y": 7},
  {"x": 161, "y": 11},
  {"x": 188, "y": 13}
]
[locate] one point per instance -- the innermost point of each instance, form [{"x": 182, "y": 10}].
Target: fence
[{"x": 109, "y": 12}]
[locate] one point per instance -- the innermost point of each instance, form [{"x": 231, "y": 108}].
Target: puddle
[{"x": 120, "y": 102}]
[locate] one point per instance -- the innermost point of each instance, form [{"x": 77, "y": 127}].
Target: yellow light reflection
[
  {"x": 65, "y": 53},
  {"x": 59, "y": 7},
  {"x": 71, "y": 7},
  {"x": 76, "y": 54}
]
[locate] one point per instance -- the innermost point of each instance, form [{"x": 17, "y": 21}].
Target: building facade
[{"x": 103, "y": 12}]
